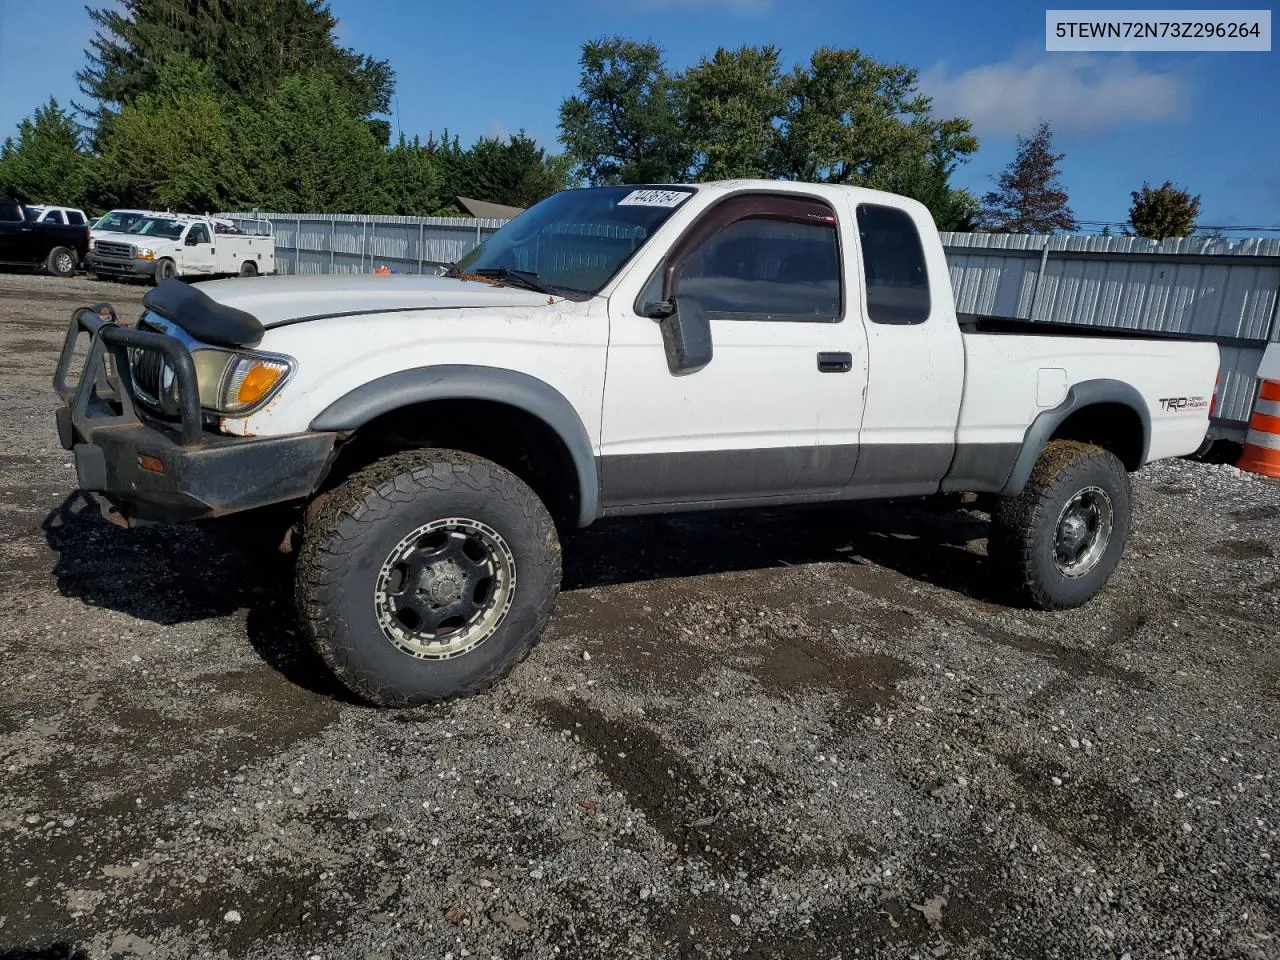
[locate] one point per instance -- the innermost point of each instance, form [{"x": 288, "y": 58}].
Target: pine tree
[
  {"x": 45, "y": 163},
  {"x": 1030, "y": 198},
  {"x": 252, "y": 46}
]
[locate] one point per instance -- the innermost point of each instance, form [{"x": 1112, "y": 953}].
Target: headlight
[
  {"x": 237, "y": 383},
  {"x": 146, "y": 253},
  {"x": 92, "y": 244}
]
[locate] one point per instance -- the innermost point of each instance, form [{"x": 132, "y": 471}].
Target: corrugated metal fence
[
  {"x": 1223, "y": 290},
  {"x": 314, "y": 243}
]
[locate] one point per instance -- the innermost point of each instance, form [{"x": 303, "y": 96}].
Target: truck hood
[{"x": 278, "y": 300}]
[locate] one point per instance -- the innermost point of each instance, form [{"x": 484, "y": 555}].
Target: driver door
[
  {"x": 198, "y": 251},
  {"x": 775, "y": 415}
]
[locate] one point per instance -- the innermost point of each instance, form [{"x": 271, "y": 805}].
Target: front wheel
[
  {"x": 1059, "y": 540},
  {"x": 165, "y": 270},
  {"x": 426, "y": 576}
]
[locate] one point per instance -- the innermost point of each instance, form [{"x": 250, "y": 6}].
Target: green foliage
[
  {"x": 517, "y": 172},
  {"x": 1030, "y": 198},
  {"x": 309, "y": 149},
  {"x": 851, "y": 117},
  {"x": 412, "y": 178},
  {"x": 624, "y": 126},
  {"x": 843, "y": 117},
  {"x": 174, "y": 147},
  {"x": 46, "y": 164},
  {"x": 730, "y": 104},
  {"x": 1164, "y": 211},
  {"x": 251, "y": 46}
]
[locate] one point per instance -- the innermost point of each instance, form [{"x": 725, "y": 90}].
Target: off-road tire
[
  {"x": 165, "y": 269},
  {"x": 248, "y": 269},
  {"x": 61, "y": 262},
  {"x": 1023, "y": 534},
  {"x": 356, "y": 528}
]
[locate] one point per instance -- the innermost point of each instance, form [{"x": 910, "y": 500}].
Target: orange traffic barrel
[
  {"x": 383, "y": 270},
  {"x": 1262, "y": 445}
]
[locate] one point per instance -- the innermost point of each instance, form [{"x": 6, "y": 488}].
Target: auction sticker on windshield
[{"x": 654, "y": 198}]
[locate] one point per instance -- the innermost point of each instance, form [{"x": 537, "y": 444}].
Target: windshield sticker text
[{"x": 654, "y": 198}]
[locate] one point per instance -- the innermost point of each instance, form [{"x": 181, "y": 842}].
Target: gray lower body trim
[
  {"x": 899, "y": 470},
  {"x": 779, "y": 476},
  {"x": 981, "y": 467},
  {"x": 711, "y": 476}
]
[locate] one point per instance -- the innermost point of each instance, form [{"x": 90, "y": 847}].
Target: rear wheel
[
  {"x": 1059, "y": 540},
  {"x": 61, "y": 262},
  {"x": 427, "y": 576},
  {"x": 165, "y": 270},
  {"x": 248, "y": 269}
]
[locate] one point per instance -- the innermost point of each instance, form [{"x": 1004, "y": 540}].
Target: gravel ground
[{"x": 807, "y": 736}]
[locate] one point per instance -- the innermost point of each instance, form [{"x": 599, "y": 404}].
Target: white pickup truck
[
  {"x": 611, "y": 351},
  {"x": 161, "y": 246}
]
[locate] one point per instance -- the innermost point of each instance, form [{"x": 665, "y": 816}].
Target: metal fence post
[
  {"x": 373, "y": 232},
  {"x": 297, "y": 245},
  {"x": 333, "y": 241},
  {"x": 364, "y": 232},
  {"x": 422, "y": 227},
  {"x": 1035, "y": 288}
]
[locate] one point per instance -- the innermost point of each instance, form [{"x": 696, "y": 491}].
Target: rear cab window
[
  {"x": 893, "y": 266},
  {"x": 10, "y": 212}
]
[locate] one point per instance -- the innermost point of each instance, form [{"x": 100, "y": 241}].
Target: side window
[
  {"x": 200, "y": 233},
  {"x": 75, "y": 218},
  {"x": 52, "y": 216},
  {"x": 767, "y": 267},
  {"x": 10, "y": 212},
  {"x": 893, "y": 264}
]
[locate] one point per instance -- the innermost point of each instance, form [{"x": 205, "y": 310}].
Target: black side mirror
[{"x": 686, "y": 334}]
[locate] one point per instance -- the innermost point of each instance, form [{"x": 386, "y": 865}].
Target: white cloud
[{"x": 1075, "y": 92}]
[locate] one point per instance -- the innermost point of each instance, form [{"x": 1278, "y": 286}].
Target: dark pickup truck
[{"x": 56, "y": 247}]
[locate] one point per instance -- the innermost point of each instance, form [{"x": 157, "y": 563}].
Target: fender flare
[
  {"x": 470, "y": 382},
  {"x": 1087, "y": 393}
]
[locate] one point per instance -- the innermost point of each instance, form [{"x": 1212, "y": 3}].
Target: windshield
[
  {"x": 115, "y": 222},
  {"x": 159, "y": 227},
  {"x": 575, "y": 241}
]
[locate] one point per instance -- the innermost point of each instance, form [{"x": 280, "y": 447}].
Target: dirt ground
[{"x": 805, "y": 736}]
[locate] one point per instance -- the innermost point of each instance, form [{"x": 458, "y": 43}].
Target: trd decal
[{"x": 1183, "y": 403}]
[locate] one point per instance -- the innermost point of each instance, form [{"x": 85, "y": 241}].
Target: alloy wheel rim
[
  {"x": 445, "y": 588},
  {"x": 1083, "y": 532}
]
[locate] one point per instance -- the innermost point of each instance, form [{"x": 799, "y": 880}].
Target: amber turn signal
[{"x": 258, "y": 381}]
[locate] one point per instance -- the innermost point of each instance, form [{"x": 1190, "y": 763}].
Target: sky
[{"x": 1207, "y": 121}]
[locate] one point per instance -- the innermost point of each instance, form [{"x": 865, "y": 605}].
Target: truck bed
[{"x": 983, "y": 323}]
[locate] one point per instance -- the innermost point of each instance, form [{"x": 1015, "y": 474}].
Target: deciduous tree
[
  {"x": 623, "y": 125},
  {"x": 1163, "y": 211}
]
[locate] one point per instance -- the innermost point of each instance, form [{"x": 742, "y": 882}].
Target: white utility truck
[
  {"x": 158, "y": 247},
  {"x": 611, "y": 351}
]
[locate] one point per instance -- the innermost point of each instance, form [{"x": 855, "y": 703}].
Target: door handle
[{"x": 835, "y": 362}]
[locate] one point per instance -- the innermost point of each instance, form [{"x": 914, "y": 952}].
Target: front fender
[{"x": 468, "y": 382}]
